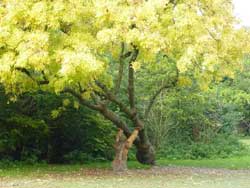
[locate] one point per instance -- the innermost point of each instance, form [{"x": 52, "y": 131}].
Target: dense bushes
[
  {"x": 29, "y": 133},
  {"x": 187, "y": 123},
  {"x": 23, "y": 138},
  {"x": 221, "y": 146}
]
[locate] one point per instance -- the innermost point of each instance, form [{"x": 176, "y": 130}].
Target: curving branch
[
  {"x": 122, "y": 58},
  {"x": 131, "y": 113},
  {"x": 81, "y": 99},
  {"x": 153, "y": 98},
  {"x": 110, "y": 96},
  {"x": 120, "y": 71},
  {"x": 100, "y": 107},
  {"x": 132, "y": 137},
  {"x": 131, "y": 85},
  {"x": 28, "y": 73},
  {"x": 158, "y": 92},
  {"x": 117, "y": 121}
]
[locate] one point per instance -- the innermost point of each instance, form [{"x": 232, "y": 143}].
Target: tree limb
[
  {"x": 120, "y": 71},
  {"x": 153, "y": 98},
  {"x": 116, "y": 120},
  {"x": 110, "y": 96},
  {"x": 119, "y": 135},
  {"x": 26, "y": 72},
  {"x": 132, "y": 138},
  {"x": 82, "y": 100},
  {"x": 158, "y": 92},
  {"x": 81, "y": 90},
  {"x": 131, "y": 88},
  {"x": 131, "y": 113},
  {"x": 108, "y": 114}
]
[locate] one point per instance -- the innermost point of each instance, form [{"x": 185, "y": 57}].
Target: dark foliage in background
[{"x": 29, "y": 133}]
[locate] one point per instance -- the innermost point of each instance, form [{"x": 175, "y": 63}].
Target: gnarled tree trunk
[
  {"x": 122, "y": 147},
  {"x": 100, "y": 102},
  {"x": 145, "y": 152}
]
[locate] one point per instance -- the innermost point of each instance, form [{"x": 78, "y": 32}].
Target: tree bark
[
  {"x": 122, "y": 147},
  {"x": 145, "y": 153}
]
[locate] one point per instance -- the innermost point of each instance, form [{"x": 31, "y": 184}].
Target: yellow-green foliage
[{"x": 66, "y": 40}]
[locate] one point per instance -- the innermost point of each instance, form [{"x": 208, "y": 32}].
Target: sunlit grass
[
  {"x": 20, "y": 169},
  {"x": 245, "y": 141},
  {"x": 228, "y": 163},
  {"x": 39, "y": 169}
]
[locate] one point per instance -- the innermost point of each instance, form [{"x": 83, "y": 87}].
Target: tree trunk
[
  {"x": 145, "y": 152},
  {"x": 122, "y": 147}
]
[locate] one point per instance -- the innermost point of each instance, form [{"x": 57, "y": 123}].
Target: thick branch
[
  {"x": 131, "y": 113},
  {"x": 81, "y": 99},
  {"x": 121, "y": 68},
  {"x": 119, "y": 135},
  {"x": 131, "y": 88},
  {"x": 108, "y": 114},
  {"x": 132, "y": 138},
  {"x": 144, "y": 154},
  {"x": 110, "y": 96},
  {"x": 117, "y": 121}
]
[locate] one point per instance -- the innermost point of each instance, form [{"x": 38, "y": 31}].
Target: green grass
[
  {"x": 20, "y": 169},
  {"x": 74, "y": 176},
  {"x": 245, "y": 141},
  {"x": 135, "y": 181},
  {"x": 234, "y": 163}
]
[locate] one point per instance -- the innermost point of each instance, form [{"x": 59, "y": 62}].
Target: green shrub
[
  {"x": 76, "y": 156},
  {"x": 28, "y": 132},
  {"x": 222, "y": 146}
]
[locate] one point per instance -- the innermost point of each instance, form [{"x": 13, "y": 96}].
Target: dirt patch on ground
[{"x": 162, "y": 177}]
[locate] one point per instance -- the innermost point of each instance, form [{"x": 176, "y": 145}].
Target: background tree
[{"x": 88, "y": 49}]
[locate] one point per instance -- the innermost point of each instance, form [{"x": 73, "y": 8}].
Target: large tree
[{"x": 90, "y": 48}]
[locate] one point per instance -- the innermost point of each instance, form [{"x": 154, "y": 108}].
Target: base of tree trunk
[
  {"x": 119, "y": 165},
  {"x": 122, "y": 146},
  {"x": 145, "y": 154}
]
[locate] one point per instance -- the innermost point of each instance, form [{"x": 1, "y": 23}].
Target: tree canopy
[{"x": 71, "y": 43}]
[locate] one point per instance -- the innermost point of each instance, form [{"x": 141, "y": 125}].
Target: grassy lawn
[
  {"x": 100, "y": 175},
  {"x": 40, "y": 169},
  {"x": 163, "y": 181},
  {"x": 245, "y": 141},
  {"x": 234, "y": 163},
  {"x": 78, "y": 176},
  {"x": 207, "y": 173}
]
